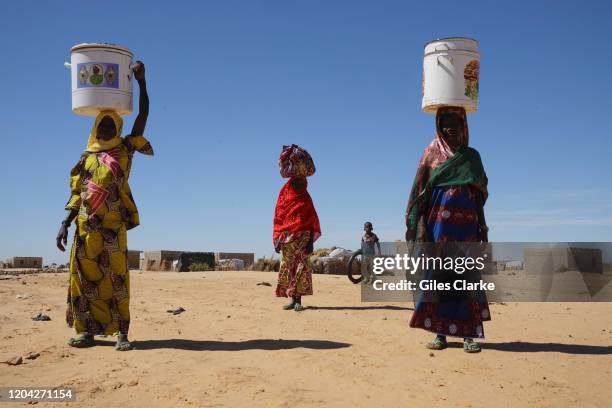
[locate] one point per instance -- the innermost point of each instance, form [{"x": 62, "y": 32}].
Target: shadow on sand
[
  {"x": 358, "y": 308},
  {"x": 526, "y": 347},
  {"x": 260, "y": 344}
]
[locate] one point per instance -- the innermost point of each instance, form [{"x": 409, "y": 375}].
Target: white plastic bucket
[
  {"x": 101, "y": 78},
  {"x": 451, "y": 69}
]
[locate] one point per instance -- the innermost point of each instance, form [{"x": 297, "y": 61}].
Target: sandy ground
[{"x": 235, "y": 347}]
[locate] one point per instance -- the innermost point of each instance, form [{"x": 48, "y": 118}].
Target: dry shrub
[
  {"x": 334, "y": 266},
  {"x": 323, "y": 251},
  {"x": 317, "y": 264},
  {"x": 266, "y": 265},
  {"x": 199, "y": 267}
]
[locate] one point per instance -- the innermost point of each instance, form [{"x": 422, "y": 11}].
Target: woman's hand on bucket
[{"x": 139, "y": 71}]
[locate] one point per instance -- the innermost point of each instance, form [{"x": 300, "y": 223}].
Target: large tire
[{"x": 349, "y": 272}]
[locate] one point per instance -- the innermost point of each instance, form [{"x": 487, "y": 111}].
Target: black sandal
[
  {"x": 83, "y": 340},
  {"x": 290, "y": 306},
  {"x": 123, "y": 344}
]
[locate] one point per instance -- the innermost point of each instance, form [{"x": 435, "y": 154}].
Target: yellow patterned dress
[{"x": 99, "y": 291}]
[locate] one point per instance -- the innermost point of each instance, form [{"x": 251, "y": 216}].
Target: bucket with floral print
[{"x": 451, "y": 71}]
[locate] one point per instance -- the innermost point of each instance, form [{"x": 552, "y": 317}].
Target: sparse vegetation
[
  {"x": 322, "y": 251},
  {"x": 266, "y": 265},
  {"x": 199, "y": 267},
  {"x": 333, "y": 266}
]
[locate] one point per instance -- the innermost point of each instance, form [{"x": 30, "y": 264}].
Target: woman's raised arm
[{"x": 143, "y": 101}]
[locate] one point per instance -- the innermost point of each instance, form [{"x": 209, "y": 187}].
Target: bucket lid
[
  {"x": 451, "y": 39},
  {"x": 105, "y": 46}
]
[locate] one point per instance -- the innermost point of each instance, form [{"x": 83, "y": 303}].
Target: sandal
[
  {"x": 83, "y": 340},
  {"x": 298, "y": 307},
  {"x": 470, "y": 346},
  {"x": 437, "y": 344},
  {"x": 289, "y": 306},
  {"x": 123, "y": 344}
]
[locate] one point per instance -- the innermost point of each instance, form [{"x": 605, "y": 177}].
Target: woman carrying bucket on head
[
  {"x": 446, "y": 205},
  {"x": 104, "y": 209},
  {"x": 296, "y": 227}
]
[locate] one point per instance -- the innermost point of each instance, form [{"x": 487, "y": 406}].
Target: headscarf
[
  {"x": 95, "y": 145},
  {"x": 466, "y": 163},
  {"x": 295, "y": 161},
  {"x": 295, "y": 212},
  {"x": 438, "y": 150}
]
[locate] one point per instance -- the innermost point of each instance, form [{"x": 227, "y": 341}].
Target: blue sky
[{"x": 231, "y": 81}]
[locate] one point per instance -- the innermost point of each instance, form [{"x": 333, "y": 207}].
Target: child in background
[{"x": 368, "y": 243}]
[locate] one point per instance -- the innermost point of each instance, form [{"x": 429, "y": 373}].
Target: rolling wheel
[{"x": 354, "y": 278}]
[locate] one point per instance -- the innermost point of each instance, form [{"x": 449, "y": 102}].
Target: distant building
[
  {"x": 133, "y": 259},
  {"x": 547, "y": 260},
  {"x": 504, "y": 265},
  {"x": 24, "y": 262},
  {"x": 163, "y": 260},
  {"x": 187, "y": 260},
  {"x": 247, "y": 257},
  {"x": 160, "y": 260}
]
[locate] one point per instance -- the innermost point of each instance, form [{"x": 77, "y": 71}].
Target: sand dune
[{"x": 235, "y": 347}]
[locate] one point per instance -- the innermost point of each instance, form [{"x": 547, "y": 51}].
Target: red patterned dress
[{"x": 296, "y": 227}]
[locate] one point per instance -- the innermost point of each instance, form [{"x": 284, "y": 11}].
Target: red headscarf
[{"x": 294, "y": 212}]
